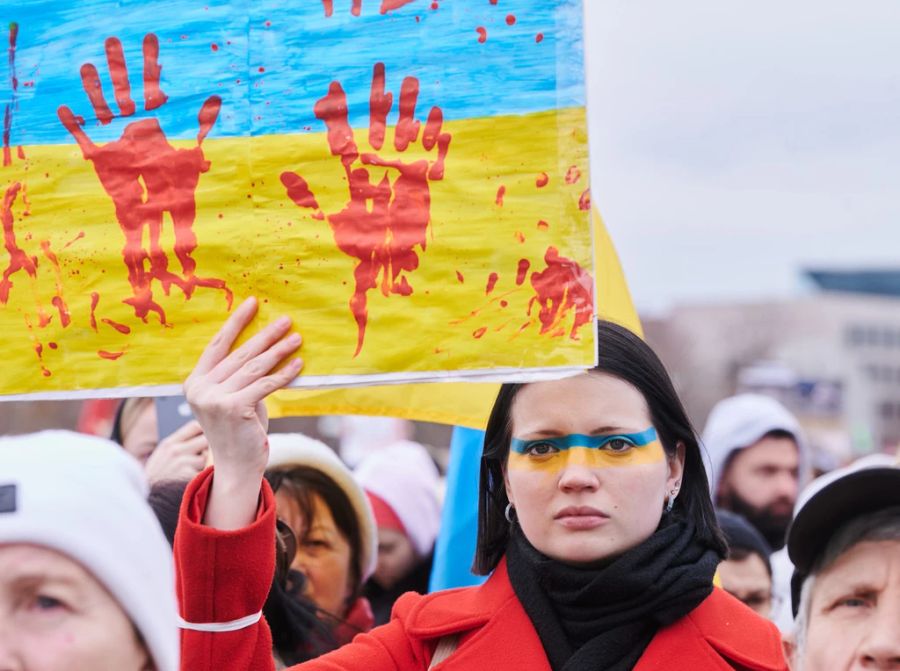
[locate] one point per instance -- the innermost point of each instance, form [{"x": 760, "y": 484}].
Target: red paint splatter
[
  {"x": 539, "y": 38},
  {"x": 214, "y": 46},
  {"x": 584, "y": 203},
  {"x": 328, "y": 6},
  {"x": 542, "y": 180},
  {"x": 562, "y": 287},
  {"x": 573, "y": 174},
  {"x": 52, "y": 345},
  {"x": 13, "y": 104},
  {"x": 477, "y": 333},
  {"x": 391, "y": 5},
  {"x": 504, "y": 304},
  {"x": 493, "y": 2},
  {"x": 64, "y": 317},
  {"x": 121, "y": 328},
  {"x": 510, "y": 19},
  {"x": 542, "y": 225},
  {"x": 268, "y": 24},
  {"x": 388, "y": 214},
  {"x": 261, "y": 69},
  {"x": 482, "y": 34},
  {"x": 491, "y": 283},
  {"x": 501, "y": 192},
  {"x": 58, "y": 302},
  {"x": 95, "y": 298},
  {"x": 146, "y": 177},
  {"x": 434, "y": 5},
  {"x": 522, "y": 271},
  {"x": 74, "y": 240},
  {"x": 459, "y": 276},
  {"x": 520, "y": 236},
  {"x": 18, "y": 259},
  {"x": 111, "y": 356}
]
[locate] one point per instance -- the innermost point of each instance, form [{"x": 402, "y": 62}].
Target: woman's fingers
[
  {"x": 262, "y": 363},
  {"x": 221, "y": 344},
  {"x": 253, "y": 393},
  {"x": 255, "y": 346},
  {"x": 190, "y": 430}
]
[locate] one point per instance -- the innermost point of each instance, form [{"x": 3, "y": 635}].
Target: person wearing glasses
[{"x": 595, "y": 524}]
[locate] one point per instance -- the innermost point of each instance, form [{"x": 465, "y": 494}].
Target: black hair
[
  {"x": 624, "y": 355},
  {"x": 305, "y": 482},
  {"x": 298, "y": 635}
]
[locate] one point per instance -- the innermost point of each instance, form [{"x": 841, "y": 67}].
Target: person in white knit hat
[
  {"x": 86, "y": 575},
  {"x": 402, "y": 482},
  {"x": 317, "y": 496},
  {"x": 759, "y": 462}
]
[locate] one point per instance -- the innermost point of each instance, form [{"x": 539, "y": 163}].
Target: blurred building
[{"x": 832, "y": 357}]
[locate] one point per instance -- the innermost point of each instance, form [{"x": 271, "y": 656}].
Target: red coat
[{"x": 225, "y": 576}]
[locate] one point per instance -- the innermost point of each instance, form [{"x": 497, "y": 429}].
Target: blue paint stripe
[
  {"x": 581, "y": 440},
  {"x": 300, "y": 52}
]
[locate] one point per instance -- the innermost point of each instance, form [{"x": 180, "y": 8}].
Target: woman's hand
[
  {"x": 225, "y": 391},
  {"x": 179, "y": 456}
]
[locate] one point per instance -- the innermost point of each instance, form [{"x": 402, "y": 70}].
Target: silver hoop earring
[{"x": 508, "y": 513}]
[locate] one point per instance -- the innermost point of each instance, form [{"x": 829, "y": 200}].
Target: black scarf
[{"x": 602, "y": 619}]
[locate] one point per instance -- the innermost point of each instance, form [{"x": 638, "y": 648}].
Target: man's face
[
  {"x": 748, "y": 580},
  {"x": 854, "y": 616},
  {"x": 761, "y": 483}
]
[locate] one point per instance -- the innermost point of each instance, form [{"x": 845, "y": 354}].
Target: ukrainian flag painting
[{"x": 407, "y": 179}]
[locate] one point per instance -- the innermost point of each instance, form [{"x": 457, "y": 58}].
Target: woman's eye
[
  {"x": 852, "y": 602},
  {"x": 47, "y": 603},
  {"x": 617, "y": 445},
  {"x": 541, "y": 449}
]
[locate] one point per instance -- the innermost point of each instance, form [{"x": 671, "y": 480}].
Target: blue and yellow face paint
[{"x": 603, "y": 451}]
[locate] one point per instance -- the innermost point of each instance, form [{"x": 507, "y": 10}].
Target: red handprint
[
  {"x": 383, "y": 235},
  {"x": 356, "y": 7},
  {"x": 562, "y": 286},
  {"x": 147, "y": 177},
  {"x": 18, "y": 259}
]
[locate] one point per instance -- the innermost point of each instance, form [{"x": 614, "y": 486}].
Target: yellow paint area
[
  {"x": 251, "y": 235},
  {"x": 589, "y": 457},
  {"x": 466, "y": 404}
]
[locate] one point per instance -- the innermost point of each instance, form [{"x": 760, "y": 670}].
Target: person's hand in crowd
[
  {"x": 226, "y": 391},
  {"x": 179, "y": 456}
]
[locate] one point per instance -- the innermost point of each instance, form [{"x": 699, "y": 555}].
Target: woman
[
  {"x": 179, "y": 456},
  {"x": 86, "y": 576},
  {"x": 316, "y": 495},
  {"x": 401, "y": 481},
  {"x": 594, "y": 515}
]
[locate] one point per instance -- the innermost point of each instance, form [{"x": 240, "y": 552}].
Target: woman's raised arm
[{"x": 226, "y": 391}]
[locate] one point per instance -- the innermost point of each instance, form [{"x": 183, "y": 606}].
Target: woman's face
[
  {"x": 141, "y": 436},
  {"x": 581, "y": 504},
  {"x": 54, "y": 616},
  {"x": 323, "y": 554}
]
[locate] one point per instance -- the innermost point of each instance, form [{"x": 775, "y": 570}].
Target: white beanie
[
  {"x": 287, "y": 450},
  {"x": 405, "y": 477},
  {"x": 85, "y": 497},
  {"x": 740, "y": 421}
]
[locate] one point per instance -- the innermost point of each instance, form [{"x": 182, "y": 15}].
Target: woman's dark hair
[
  {"x": 624, "y": 355},
  {"x": 298, "y": 635},
  {"x": 303, "y": 483}
]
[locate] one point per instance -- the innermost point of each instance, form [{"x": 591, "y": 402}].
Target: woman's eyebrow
[{"x": 552, "y": 433}]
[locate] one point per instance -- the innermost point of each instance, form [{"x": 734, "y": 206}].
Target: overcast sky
[{"x": 735, "y": 142}]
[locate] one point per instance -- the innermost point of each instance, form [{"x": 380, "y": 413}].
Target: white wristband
[{"x": 218, "y": 627}]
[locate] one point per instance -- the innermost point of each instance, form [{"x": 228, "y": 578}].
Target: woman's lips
[{"x": 581, "y": 517}]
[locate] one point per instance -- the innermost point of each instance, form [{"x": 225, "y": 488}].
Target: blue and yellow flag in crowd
[{"x": 408, "y": 179}]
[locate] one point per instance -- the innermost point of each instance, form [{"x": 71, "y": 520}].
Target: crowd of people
[{"x": 611, "y": 535}]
